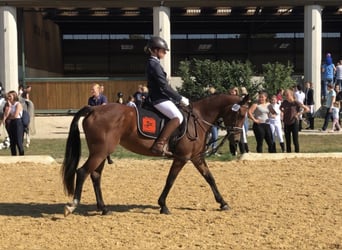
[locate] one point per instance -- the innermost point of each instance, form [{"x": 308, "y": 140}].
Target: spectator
[
  {"x": 328, "y": 71},
  {"x": 138, "y": 96},
  {"x": 291, "y": 109},
  {"x": 101, "y": 89},
  {"x": 232, "y": 145},
  {"x": 309, "y": 102},
  {"x": 339, "y": 74},
  {"x": 28, "y": 105},
  {"x": 120, "y": 98},
  {"x": 15, "y": 126},
  {"x": 259, "y": 113},
  {"x": 336, "y": 116},
  {"x": 299, "y": 96},
  {"x": 275, "y": 124},
  {"x": 331, "y": 98},
  {"x": 243, "y": 144},
  {"x": 131, "y": 101},
  {"x": 280, "y": 93},
  {"x": 26, "y": 92},
  {"x": 97, "y": 99},
  {"x": 214, "y": 129}
]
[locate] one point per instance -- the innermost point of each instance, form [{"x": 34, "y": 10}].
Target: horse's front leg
[
  {"x": 202, "y": 167},
  {"x": 82, "y": 174},
  {"x": 176, "y": 167},
  {"x": 96, "y": 179}
]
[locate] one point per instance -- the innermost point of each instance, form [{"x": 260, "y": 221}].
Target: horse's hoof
[
  {"x": 165, "y": 210},
  {"x": 225, "y": 207},
  {"x": 67, "y": 210},
  {"x": 106, "y": 212}
]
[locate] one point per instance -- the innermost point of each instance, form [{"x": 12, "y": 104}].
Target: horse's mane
[{"x": 216, "y": 98}]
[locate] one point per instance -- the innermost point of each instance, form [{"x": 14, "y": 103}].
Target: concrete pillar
[
  {"x": 313, "y": 49},
  {"x": 8, "y": 48},
  {"x": 161, "y": 27}
]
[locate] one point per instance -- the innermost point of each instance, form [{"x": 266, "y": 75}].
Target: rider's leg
[
  {"x": 170, "y": 110},
  {"x": 159, "y": 145}
]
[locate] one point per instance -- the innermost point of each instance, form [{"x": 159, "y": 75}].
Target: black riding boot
[
  {"x": 232, "y": 148},
  {"x": 282, "y": 146},
  {"x": 300, "y": 125},
  {"x": 159, "y": 146},
  {"x": 312, "y": 122},
  {"x": 110, "y": 161},
  {"x": 246, "y": 147},
  {"x": 242, "y": 148}
]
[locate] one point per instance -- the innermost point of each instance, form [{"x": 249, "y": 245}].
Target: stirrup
[{"x": 161, "y": 152}]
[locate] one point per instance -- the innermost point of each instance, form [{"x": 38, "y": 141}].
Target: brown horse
[{"x": 106, "y": 126}]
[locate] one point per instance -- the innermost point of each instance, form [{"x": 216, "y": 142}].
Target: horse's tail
[{"x": 73, "y": 152}]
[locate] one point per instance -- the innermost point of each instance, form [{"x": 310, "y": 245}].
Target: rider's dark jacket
[{"x": 158, "y": 86}]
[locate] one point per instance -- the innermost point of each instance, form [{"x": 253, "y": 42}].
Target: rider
[{"x": 161, "y": 94}]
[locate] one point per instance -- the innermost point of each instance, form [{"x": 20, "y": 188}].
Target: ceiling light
[
  {"x": 223, "y": 11},
  {"x": 250, "y": 11},
  {"x": 204, "y": 47},
  {"x": 131, "y": 11},
  {"x": 101, "y": 13},
  {"x": 339, "y": 11},
  {"x": 284, "y": 10},
  {"x": 69, "y": 13},
  {"x": 127, "y": 46},
  {"x": 193, "y": 11}
]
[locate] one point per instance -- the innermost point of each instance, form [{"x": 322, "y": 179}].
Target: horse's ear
[{"x": 244, "y": 100}]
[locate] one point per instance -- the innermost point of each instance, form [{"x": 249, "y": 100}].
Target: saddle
[{"x": 150, "y": 122}]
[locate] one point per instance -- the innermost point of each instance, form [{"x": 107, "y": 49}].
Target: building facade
[{"x": 106, "y": 38}]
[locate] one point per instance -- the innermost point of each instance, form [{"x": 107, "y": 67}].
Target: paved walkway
[
  {"x": 53, "y": 127},
  {"x": 58, "y": 127}
]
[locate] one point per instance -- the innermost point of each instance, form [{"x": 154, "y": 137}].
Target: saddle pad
[{"x": 149, "y": 123}]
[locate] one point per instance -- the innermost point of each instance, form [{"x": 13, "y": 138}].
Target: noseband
[{"x": 231, "y": 129}]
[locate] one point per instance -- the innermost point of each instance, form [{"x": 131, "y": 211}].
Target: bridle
[{"x": 231, "y": 129}]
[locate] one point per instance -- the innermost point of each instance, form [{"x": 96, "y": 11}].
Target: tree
[
  {"x": 199, "y": 75},
  {"x": 277, "y": 76}
]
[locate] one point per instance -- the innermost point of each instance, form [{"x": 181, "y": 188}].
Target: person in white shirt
[
  {"x": 336, "y": 116},
  {"x": 275, "y": 124},
  {"x": 299, "y": 96},
  {"x": 339, "y": 74}
]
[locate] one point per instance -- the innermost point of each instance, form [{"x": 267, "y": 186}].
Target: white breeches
[
  {"x": 169, "y": 109},
  {"x": 243, "y": 135},
  {"x": 277, "y": 131}
]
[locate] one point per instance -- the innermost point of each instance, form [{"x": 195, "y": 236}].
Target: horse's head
[{"x": 234, "y": 117}]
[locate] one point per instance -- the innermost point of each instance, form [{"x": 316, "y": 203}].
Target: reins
[{"x": 231, "y": 130}]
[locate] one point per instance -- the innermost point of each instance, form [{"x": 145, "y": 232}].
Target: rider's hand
[{"x": 185, "y": 101}]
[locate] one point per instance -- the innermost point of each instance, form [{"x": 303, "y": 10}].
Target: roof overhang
[{"x": 169, "y": 3}]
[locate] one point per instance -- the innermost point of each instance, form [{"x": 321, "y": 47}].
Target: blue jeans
[
  {"x": 328, "y": 116},
  {"x": 324, "y": 87},
  {"x": 214, "y": 137}
]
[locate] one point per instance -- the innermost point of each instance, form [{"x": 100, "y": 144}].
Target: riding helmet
[{"x": 156, "y": 42}]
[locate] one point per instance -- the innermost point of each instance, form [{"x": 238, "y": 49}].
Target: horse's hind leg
[
  {"x": 82, "y": 174},
  {"x": 202, "y": 167},
  {"x": 176, "y": 167},
  {"x": 96, "y": 179}
]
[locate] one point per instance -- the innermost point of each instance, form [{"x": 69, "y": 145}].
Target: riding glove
[{"x": 185, "y": 101}]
